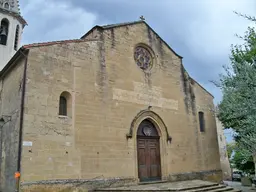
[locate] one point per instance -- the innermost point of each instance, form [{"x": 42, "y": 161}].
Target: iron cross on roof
[{"x": 142, "y": 18}]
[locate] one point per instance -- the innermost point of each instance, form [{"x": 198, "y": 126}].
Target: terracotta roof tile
[{"x": 55, "y": 42}]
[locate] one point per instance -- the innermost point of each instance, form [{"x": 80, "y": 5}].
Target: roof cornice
[{"x": 14, "y": 14}]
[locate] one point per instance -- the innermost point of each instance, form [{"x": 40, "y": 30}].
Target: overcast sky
[{"x": 199, "y": 30}]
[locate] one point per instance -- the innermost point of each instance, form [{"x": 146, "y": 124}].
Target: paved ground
[
  {"x": 168, "y": 186},
  {"x": 237, "y": 185}
]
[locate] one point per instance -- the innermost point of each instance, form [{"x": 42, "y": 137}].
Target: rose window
[{"x": 143, "y": 58}]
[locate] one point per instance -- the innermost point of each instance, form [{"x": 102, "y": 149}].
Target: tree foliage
[
  {"x": 237, "y": 110},
  {"x": 243, "y": 162},
  {"x": 230, "y": 149}
]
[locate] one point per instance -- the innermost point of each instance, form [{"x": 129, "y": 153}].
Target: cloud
[
  {"x": 210, "y": 35},
  {"x": 213, "y": 31},
  {"x": 201, "y": 31},
  {"x": 50, "y": 20}
]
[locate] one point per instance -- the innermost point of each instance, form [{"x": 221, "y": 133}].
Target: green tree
[
  {"x": 237, "y": 109},
  {"x": 230, "y": 149},
  {"x": 243, "y": 162}
]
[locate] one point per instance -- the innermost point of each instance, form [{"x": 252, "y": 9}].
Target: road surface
[{"x": 237, "y": 185}]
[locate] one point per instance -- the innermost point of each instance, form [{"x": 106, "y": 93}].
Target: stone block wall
[{"x": 10, "y": 102}]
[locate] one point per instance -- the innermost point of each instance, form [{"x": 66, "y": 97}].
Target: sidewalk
[{"x": 237, "y": 185}]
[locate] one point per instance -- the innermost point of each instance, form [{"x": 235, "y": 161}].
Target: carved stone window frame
[{"x": 151, "y": 53}]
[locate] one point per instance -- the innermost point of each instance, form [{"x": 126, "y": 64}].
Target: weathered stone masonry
[
  {"x": 11, "y": 91},
  {"x": 107, "y": 92}
]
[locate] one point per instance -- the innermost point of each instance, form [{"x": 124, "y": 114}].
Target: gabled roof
[
  {"x": 27, "y": 47},
  {"x": 121, "y": 24},
  {"x": 127, "y": 24},
  {"x": 134, "y": 23}
]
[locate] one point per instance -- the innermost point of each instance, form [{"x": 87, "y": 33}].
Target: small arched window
[
  {"x": 6, "y": 6},
  {"x": 65, "y": 104},
  {"x": 4, "y": 31},
  {"x": 16, "y": 42},
  {"x": 201, "y": 121}
]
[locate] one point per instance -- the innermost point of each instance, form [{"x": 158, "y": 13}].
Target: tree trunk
[{"x": 254, "y": 160}]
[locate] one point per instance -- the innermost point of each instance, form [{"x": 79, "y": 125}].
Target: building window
[
  {"x": 63, "y": 106},
  {"x": 4, "y": 31},
  {"x": 143, "y": 57},
  {"x": 6, "y": 6},
  {"x": 16, "y": 38},
  {"x": 201, "y": 121}
]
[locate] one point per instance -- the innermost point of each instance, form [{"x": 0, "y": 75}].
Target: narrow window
[
  {"x": 6, "y": 6},
  {"x": 16, "y": 38},
  {"x": 4, "y": 31},
  {"x": 201, "y": 121},
  {"x": 63, "y": 106}
]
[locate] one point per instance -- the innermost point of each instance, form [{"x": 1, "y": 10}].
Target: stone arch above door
[{"x": 155, "y": 119}]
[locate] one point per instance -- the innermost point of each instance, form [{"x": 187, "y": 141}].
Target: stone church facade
[{"x": 115, "y": 105}]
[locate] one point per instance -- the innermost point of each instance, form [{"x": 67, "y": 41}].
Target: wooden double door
[{"x": 149, "y": 164}]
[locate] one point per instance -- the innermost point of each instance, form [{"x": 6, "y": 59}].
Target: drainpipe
[
  {"x": 17, "y": 174},
  {"x": 1, "y": 141}
]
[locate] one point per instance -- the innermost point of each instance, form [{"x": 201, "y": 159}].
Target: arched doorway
[{"x": 148, "y": 149}]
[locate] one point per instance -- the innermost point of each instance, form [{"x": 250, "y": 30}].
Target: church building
[{"x": 114, "y": 106}]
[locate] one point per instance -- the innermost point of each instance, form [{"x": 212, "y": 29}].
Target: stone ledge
[
  {"x": 63, "y": 185},
  {"x": 210, "y": 175}
]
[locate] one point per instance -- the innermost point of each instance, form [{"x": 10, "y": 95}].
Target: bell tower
[{"x": 11, "y": 27}]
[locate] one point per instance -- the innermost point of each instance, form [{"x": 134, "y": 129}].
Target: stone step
[
  {"x": 152, "y": 187},
  {"x": 210, "y": 188},
  {"x": 203, "y": 188},
  {"x": 152, "y": 182},
  {"x": 165, "y": 190},
  {"x": 233, "y": 190},
  {"x": 167, "y": 187},
  {"x": 195, "y": 187},
  {"x": 222, "y": 189}
]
